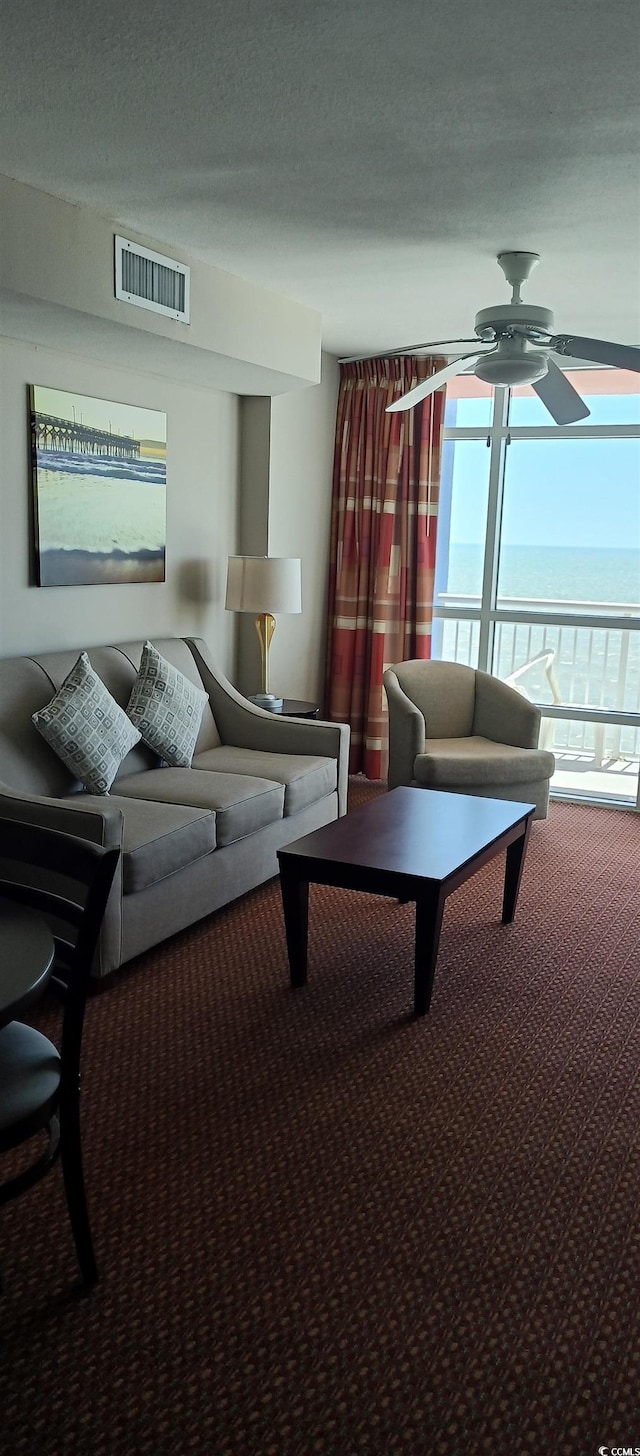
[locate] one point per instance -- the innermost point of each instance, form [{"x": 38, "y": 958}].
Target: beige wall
[
  {"x": 202, "y": 501},
  {"x": 249, "y": 474},
  {"x": 253, "y": 527},
  {"x": 57, "y": 274},
  {"x": 301, "y": 464},
  {"x": 285, "y": 510}
]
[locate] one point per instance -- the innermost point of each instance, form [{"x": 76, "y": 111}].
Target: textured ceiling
[{"x": 366, "y": 157}]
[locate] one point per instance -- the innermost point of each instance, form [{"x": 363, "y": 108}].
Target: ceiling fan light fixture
[{"x": 511, "y": 369}]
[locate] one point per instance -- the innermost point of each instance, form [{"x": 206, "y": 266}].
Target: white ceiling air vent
[{"x": 151, "y": 281}]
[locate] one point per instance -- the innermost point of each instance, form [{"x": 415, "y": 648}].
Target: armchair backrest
[{"x": 445, "y": 694}]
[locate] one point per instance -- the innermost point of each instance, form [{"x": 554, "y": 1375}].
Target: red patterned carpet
[{"x": 328, "y": 1229}]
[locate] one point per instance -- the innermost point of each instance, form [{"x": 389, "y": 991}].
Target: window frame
[{"x": 498, "y": 436}]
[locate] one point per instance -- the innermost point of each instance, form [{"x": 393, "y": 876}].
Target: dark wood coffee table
[{"x": 412, "y": 844}]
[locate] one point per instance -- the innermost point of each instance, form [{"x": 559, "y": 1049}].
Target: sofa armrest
[
  {"x": 406, "y": 732},
  {"x": 100, "y": 826},
  {"x": 244, "y": 725},
  {"x": 503, "y": 714}
]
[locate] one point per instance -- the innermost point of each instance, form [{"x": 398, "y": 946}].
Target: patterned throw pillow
[
  {"x": 167, "y": 708},
  {"x": 86, "y": 728}
]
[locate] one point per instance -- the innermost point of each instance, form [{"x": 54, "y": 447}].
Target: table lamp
[{"x": 265, "y": 585}]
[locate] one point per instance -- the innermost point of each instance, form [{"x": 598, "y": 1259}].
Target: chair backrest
[
  {"x": 444, "y": 692},
  {"x": 68, "y": 880}
]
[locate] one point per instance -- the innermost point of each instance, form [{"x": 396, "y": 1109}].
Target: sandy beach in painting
[
  {"x": 83, "y": 513},
  {"x": 101, "y": 528}
]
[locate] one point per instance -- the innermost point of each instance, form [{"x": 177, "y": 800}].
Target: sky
[
  {"x": 102, "y": 414},
  {"x": 558, "y": 492}
]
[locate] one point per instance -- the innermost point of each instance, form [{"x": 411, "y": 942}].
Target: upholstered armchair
[{"x": 455, "y": 728}]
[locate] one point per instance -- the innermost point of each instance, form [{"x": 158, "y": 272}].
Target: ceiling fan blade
[
  {"x": 429, "y": 386},
  {"x": 600, "y": 351},
  {"x": 406, "y": 349},
  {"x": 559, "y": 396}
]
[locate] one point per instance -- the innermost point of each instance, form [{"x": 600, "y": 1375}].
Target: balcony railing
[
  {"x": 585, "y": 672},
  {"x": 544, "y": 606}
]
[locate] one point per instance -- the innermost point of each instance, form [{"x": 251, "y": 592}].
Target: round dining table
[{"x": 26, "y": 958}]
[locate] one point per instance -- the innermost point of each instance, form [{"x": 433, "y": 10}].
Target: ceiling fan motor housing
[
  {"x": 505, "y": 316},
  {"x": 513, "y": 326}
]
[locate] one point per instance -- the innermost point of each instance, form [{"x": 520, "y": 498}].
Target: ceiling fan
[{"x": 522, "y": 337}]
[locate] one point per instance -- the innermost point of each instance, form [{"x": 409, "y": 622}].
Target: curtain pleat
[{"x": 383, "y": 535}]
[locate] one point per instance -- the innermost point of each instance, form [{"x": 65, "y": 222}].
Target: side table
[{"x": 295, "y": 708}]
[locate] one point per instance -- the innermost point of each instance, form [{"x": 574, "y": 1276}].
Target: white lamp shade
[{"x": 264, "y": 584}]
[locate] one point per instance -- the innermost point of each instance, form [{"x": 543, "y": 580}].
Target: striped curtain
[{"x": 383, "y": 537}]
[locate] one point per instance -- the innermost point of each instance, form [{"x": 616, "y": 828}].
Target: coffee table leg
[
  {"x": 429, "y": 912},
  {"x": 295, "y": 904},
  {"x": 513, "y": 874}
]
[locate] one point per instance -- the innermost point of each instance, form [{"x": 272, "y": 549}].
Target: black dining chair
[{"x": 68, "y": 881}]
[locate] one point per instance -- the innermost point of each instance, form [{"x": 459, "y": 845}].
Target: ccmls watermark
[{"x": 618, "y": 1450}]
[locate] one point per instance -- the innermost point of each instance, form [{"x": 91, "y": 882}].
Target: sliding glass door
[{"x": 538, "y": 567}]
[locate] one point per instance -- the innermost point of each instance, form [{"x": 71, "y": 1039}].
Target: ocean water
[
  {"x": 148, "y": 470},
  {"x": 552, "y": 573},
  {"x": 585, "y": 666}
]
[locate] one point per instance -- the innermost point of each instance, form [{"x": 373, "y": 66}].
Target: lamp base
[{"x": 266, "y": 700}]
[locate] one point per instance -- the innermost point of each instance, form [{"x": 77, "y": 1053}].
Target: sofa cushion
[
  {"x": 306, "y": 778},
  {"x": 158, "y": 839},
  {"x": 474, "y": 760},
  {"x": 166, "y": 708},
  {"x": 118, "y": 675},
  {"x": 86, "y": 728},
  {"x": 175, "y": 651},
  {"x": 241, "y": 804}
]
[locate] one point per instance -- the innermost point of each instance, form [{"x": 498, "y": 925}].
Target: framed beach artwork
[{"x": 99, "y": 489}]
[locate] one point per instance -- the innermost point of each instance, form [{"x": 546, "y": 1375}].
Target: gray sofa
[{"x": 191, "y": 838}]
